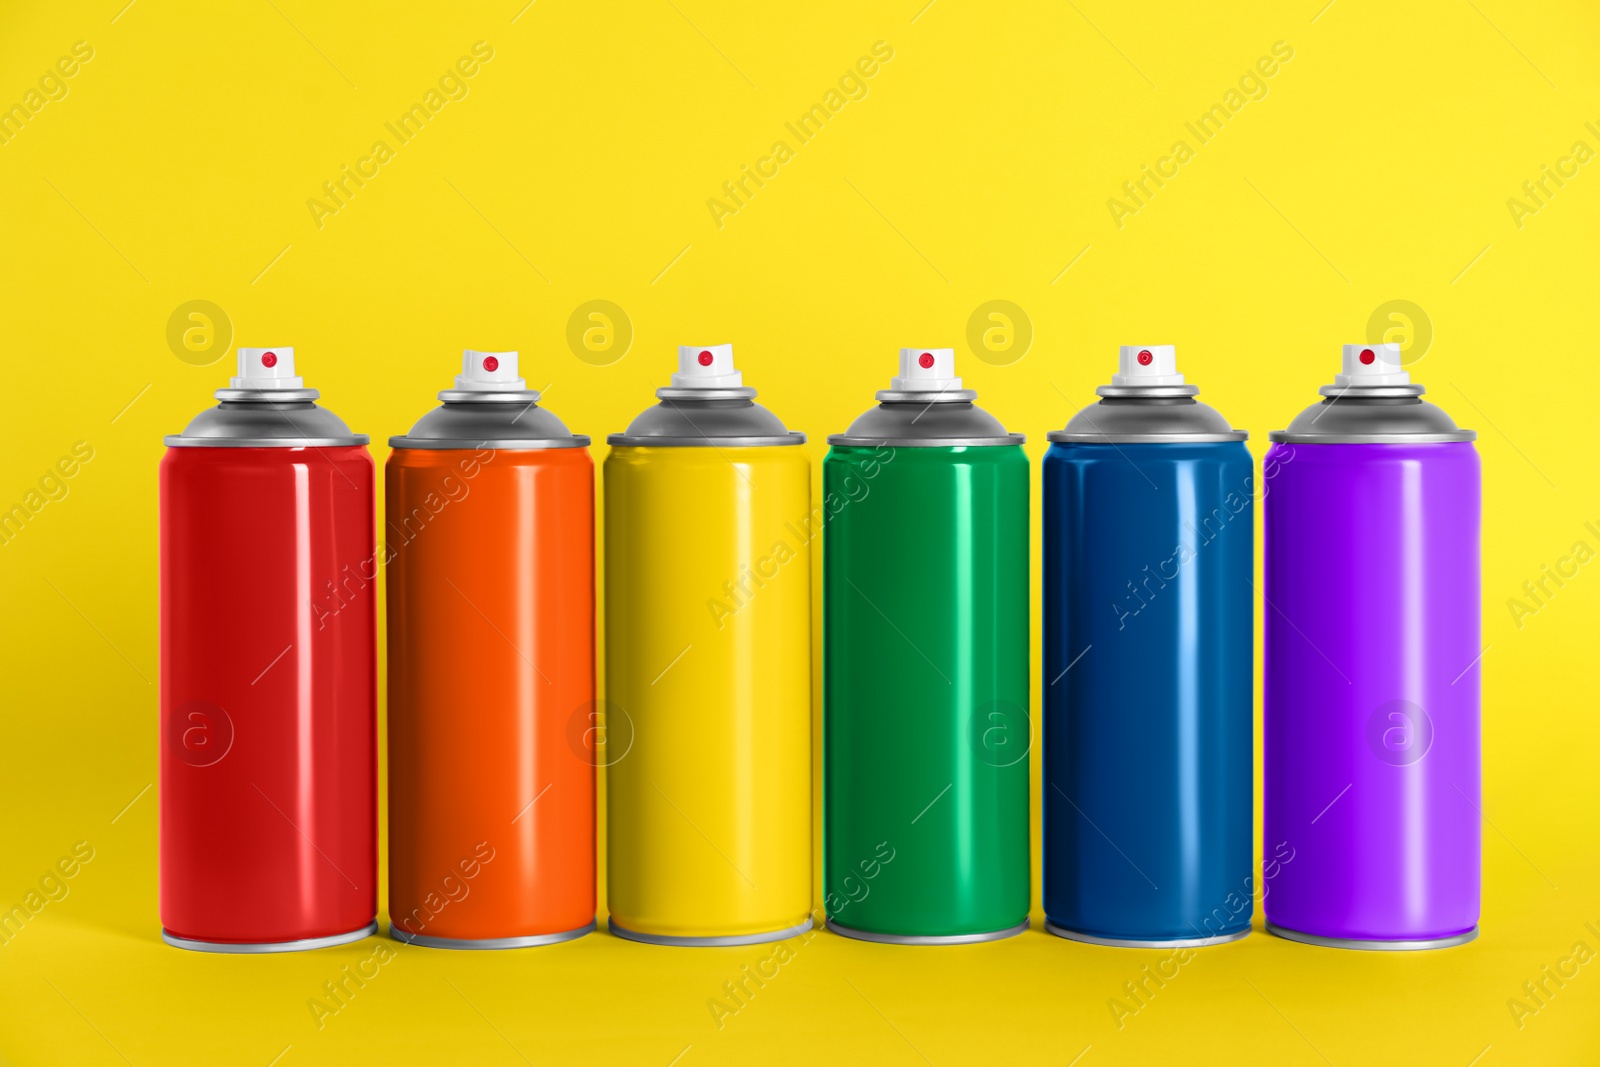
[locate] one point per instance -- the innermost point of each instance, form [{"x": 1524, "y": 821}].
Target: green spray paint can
[{"x": 926, "y": 730}]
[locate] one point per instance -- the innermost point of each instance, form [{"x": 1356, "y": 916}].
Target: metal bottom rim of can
[
  {"x": 1371, "y": 944},
  {"x": 303, "y": 945},
  {"x": 1124, "y": 942},
  {"x": 674, "y": 941},
  {"x": 528, "y": 941},
  {"x": 927, "y": 939}
]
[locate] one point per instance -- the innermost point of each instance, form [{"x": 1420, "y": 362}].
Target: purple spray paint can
[{"x": 1371, "y": 737}]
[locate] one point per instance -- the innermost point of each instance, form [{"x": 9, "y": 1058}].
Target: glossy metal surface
[
  {"x": 1385, "y": 414},
  {"x": 1372, "y": 946},
  {"x": 1148, "y": 649},
  {"x": 481, "y": 418},
  {"x": 268, "y": 690},
  {"x": 706, "y": 418},
  {"x": 493, "y": 943},
  {"x": 925, "y": 691},
  {"x": 926, "y": 420},
  {"x": 303, "y": 945},
  {"x": 708, "y": 686},
  {"x": 1144, "y": 415},
  {"x": 1123, "y": 942},
  {"x": 266, "y": 418},
  {"x": 1373, "y": 660},
  {"x": 491, "y": 693},
  {"x": 730, "y": 941},
  {"x": 953, "y": 939}
]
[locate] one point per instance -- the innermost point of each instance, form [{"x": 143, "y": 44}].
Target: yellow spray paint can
[{"x": 708, "y": 666}]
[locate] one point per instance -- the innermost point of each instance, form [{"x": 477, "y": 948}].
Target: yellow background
[{"x": 978, "y": 167}]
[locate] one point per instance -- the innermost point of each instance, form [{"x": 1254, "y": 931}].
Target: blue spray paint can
[{"x": 1148, "y": 644}]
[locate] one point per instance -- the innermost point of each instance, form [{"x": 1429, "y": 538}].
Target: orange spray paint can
[{"x": 490, "y": 558}]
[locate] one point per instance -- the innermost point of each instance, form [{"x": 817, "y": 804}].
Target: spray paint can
[
  {"x": 269, "y": 830},
  {"x": 1371, "y": 722},
  {"x": 925, "y": 667},
  {"x": 708, "y": 666},
  {"x": 490, "y": 557},
  {"x": 1148, "y": 648}
]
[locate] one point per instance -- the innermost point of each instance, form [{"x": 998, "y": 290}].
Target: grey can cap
[
  {"x": 278, "y": 418},
  {"x": 490, "y": 407},
  {"x": 1372, "y": 415},
  {"x": 266, "y": 406},
  {"x": 1147, "y": 403},
  {"x": 471, "y": 418},
  {"x": 707, "y": 406},
  {"x": 923, "y": 420},
  {"x": 926, "y": 406},
  {"x": 1372, "y": 401}
]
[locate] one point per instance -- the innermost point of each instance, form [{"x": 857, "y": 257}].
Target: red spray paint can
[{"x": 268, "y": 675}]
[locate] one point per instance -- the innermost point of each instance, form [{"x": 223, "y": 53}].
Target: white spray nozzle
[
  {"x": 1372, "y": 365},
  {"x": 266, "y": 368},
  {"x": 926, "y": 370},
  {"x": 1147, "y": 365},
  {"x": 706, "y": 367},
  {"x": 489, "y": 372}
]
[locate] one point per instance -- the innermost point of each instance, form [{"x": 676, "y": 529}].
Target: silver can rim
[
  {"x": 1127, "y": 942},
  {"x": 919, "y": 396},
  {"x": 1372, "y": 438},
  {"x": 927, "y": 939},
  {"x": 489, "y": 396},
  {"x": 728, "y": 392},
  {"x": 1065, "y": 438},
  {"x": 1370, "y": 944},
  {"x": 491, "y": 943},
  {"x": 255, "y": 948},
  {"x": 669, "y": 941},
  {"x": 267, "y": 396},
  {"x": 927, "y": 442},
  {"x": 178, "y": 440},
  {"x": 1379, "y": 392},
  {"x": 1157, "y": 392},
  {"x": 445, "y": 444},
  {"x": 774, "y": 441}
]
